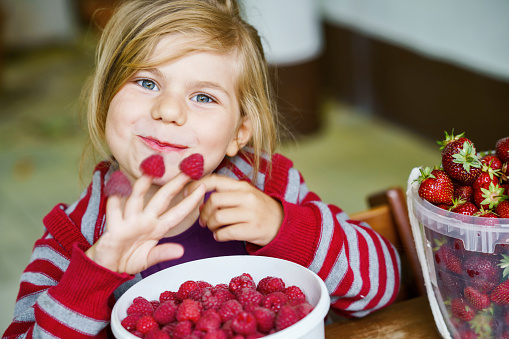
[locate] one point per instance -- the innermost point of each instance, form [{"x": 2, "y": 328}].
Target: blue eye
[
  {"x": 148, "y": 84},
  {"x": 202, "y": 98}
]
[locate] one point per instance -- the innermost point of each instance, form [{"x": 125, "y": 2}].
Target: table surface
[{"x": 406, "y": 319}]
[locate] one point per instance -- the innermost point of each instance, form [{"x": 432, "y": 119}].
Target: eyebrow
[{"x": 209, "y": 84}]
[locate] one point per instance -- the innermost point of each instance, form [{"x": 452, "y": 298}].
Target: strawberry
[
  {"x": 488, "y": 197},
  {"x": 460, "y": 161},
  {"x": 465, "y": 208},
  {"x": 502, "y": 209},
  {"x": 462, "y": 310},
  {"x": 492, "y": 161},
  {"x": 502, "y": 149},
  {"x": 452, "y": 141},
  {"x": 153, "y": 166},
  {"x": 485, "y": 178},
  {"x": 479, "y": 300},
  {"x": 463, "y": 192},
  {"x": 192, "y": 166},
  {"x": 445, "y": 257},
  {"x": 500, "y": 294},
  {"x": 118, "y": 184},
  {"x": 435, "y": 186},
  {"x": 481, "y": 271}
]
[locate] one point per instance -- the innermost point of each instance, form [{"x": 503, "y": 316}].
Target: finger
[
  {"x": 162, "y": 199},
  {"x": 177, "y": 213},
  {"x": 225, "y": 217},
  {"x": 164, "y": 252},
  {"x": 134, "y": 203},
  {"x": 232, "y": 232},
  {"x": 218, "y": 201},
  {"x": 220, "y": 183},
  {"x": 114, "y": 208}
]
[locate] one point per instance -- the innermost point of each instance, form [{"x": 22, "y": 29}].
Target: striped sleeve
[
  {"x": 62, "y": 293},
  {"x": 360, "y": 268}
]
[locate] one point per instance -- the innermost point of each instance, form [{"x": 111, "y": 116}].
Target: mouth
[{"x": 162, "y": 146}]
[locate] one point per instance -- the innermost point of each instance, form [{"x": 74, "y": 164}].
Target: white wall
[
  {"x": 36, "y": 22},
  {"x": 471, "y": 33},
  {"x": 290, "y": 29}
]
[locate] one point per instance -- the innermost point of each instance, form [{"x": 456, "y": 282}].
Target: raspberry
[
  {"x": 294, "y": 293},
  {"x": 265, "y": 319},
  {"x": 229, "y": 309},
  {"x": 216, "y": 334},
  {"x": 185, "y": 288},
  {"x": 182, "y": 329},
  {"x": 167, "y": 296},
  {"x": 157, "y": 334},
  {"x": 204, "y": 284},
  {"x": 270, "y": 284},
  {"x": 242, "y": 281},
  {"x": 210, "y": 320},
  {"x": 244, "y": 323},
  {"x": 223, "y": 295},
  {"x": 249, "y": 298},
  {"x": 210, "y": 301},
  {"x": 192, "y": 166},
  {"x": 153, "y": 166},
  {"x": 165, "y": 313},
  {"x": 118, "y": 184},
  {"x": 286, "y": 317},
  {"x": 129, "y": 322},
  {"x": 140, "y": 306},
  {"x": 189, "y": 310},
  {"x": 274, "y": 301},
  {"x": 303, "y": 309},
  {"x": 146, "y": 323},
  {"x": 197, "y": 293}
]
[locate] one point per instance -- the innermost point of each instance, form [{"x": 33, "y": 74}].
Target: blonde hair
[{"x": 136, "y": 27}]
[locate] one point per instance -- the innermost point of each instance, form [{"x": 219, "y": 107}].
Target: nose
[{"x": 169, "y": 110}]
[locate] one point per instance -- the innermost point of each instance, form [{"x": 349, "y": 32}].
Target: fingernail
[{"x": 200, "y": 222}]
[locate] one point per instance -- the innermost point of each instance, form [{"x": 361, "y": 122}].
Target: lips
[{"x": 162, "y": 146}]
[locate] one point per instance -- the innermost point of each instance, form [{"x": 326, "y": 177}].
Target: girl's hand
[
  {"x": 239, "y": 211},
  {"x": 133, "y": 227}
]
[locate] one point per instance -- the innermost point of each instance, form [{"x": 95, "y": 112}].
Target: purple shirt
[{"x": 198, "y": 243}]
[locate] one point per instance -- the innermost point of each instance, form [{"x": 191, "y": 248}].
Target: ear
[{"x": 242, "y": 137}]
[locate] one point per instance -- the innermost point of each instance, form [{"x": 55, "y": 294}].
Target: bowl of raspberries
[
  {"x": 224, "y": 297},
  {"x": 459, "y": 213}
]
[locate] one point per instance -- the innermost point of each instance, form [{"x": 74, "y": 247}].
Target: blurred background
[{"x": 365, "y": 87}]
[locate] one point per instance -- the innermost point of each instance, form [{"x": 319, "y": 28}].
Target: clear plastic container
[
  {"x": 462, "y": 258},
  {"x": 221, "y": 270}
]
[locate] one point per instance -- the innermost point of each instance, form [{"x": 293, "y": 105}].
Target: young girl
[{"x": 178, "y": 77}]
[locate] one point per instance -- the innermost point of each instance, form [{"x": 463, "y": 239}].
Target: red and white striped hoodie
[{"x": 64, "y": 294}]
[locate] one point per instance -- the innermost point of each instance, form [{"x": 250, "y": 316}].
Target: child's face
[{"x": 182, "y": 107}]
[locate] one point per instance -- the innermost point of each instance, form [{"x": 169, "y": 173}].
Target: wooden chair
[{"x": 388, "y": 215}]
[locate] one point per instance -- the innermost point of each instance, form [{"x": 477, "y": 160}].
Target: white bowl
[{"x": 221, "y": 270}]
